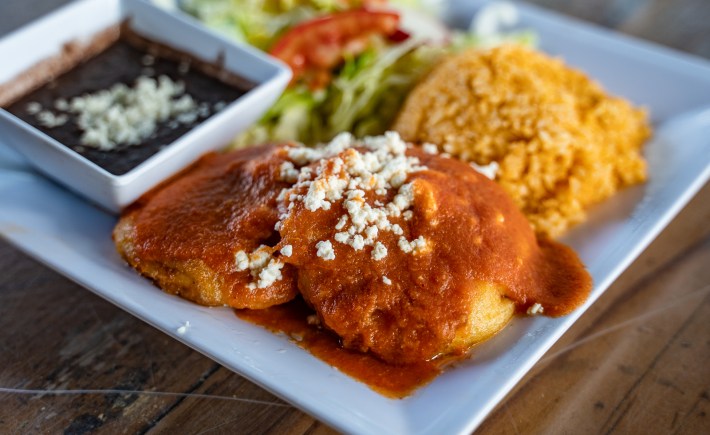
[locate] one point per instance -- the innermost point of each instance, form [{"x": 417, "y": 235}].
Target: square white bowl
[{"x": 82, "y": 20}]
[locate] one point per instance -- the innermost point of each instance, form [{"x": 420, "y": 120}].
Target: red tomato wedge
[{"x": 313, "y": 48}]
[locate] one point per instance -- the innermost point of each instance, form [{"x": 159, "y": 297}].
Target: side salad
[{"x": 354, "y": 61}]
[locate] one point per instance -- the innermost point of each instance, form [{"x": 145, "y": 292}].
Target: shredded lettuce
[
  {"x": 365, "y": 95},
  {"x": 363, "y": 98},
  {"x": 366, "y": 92}
]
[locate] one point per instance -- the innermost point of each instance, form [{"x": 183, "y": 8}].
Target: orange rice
[{"x": 561, "y": 142}]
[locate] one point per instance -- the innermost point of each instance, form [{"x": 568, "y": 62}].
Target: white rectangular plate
[{"x": 74, "y": 238}]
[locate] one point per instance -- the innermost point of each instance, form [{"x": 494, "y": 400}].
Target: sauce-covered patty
[
  {"x": 411, "y": 255},
  {"x": 184, "y": 234},
  {"x": 400, "y": 252}
]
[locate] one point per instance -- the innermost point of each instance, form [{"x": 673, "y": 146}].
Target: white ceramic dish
[
  {"x": 45, "y": 38},
  {"x": 73, "y": 237}
]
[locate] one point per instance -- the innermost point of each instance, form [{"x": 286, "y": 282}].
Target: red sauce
[
  {"x": 184, "y": 233},
  {"x": 475, "y": 237},
  {"x": 391, "y": 380}
]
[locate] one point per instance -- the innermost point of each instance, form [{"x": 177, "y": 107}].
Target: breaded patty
[
  {"x": 199, "y": 234},
  {"x": 561, "y": 142}
]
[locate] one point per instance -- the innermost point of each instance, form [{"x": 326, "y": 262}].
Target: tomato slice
[{"x": 313, "y": 48}]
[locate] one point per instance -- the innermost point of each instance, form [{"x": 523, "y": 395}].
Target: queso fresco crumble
[
  {"x": 344, "y": 171},
  {"x": 126, "y": 115}
]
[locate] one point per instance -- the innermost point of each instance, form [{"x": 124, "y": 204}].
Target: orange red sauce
[
  {"x": 387, "y": 334},
  {"x": 391, "y": 380}
]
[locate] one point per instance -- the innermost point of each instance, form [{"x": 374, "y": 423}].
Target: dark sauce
[
  {"x": 395, "y": 381},
  {"x": 123, "y": 62}
]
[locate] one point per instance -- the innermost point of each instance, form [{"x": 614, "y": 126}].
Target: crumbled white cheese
[
  {"x": 405, "y": 197},
  {"x": 371, "y": 232},
  {"x": 182, "y": 329},
  {"x": 287, "y": 251},
  {"x": 398, "y": 178},
  {"x": 203, "y": 110},
  {"x": 430, "y": 148},
  {"x": 123, "y": 115},
  {"x": 50, "y": 120},
  {"x": 262, "y": 266},
  {"x": 404, "y": 245},
  {"x": 259, "y": 258},
  {"x": 418, "y": 244},
  {"x": 187, "y": 118},
  {"x": 415, "y": 245},
  {"x": 61, "y": 104},
  {"x": 288, "y": 172},
  {"x": 242, "y": 260},
  {"x": 315, "y": 198},
  {"x": 535, "y": 309},
  {"x": 379, "y": 251},
  {"x": 357, "y": 242},
  {"x": 341, "y": 237},
  {"x": 341, "y": 223},
  {"x": 33, "y": 108},
  {"x": 386, "y": 280},
  {"x": 270, "y": 274},
  {"x": 360, "y": 174},
  {"x": 325, "y": 250},
  {"x": 490, "y": 170}
]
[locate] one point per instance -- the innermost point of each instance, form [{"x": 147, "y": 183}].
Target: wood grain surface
[{"x": 638, "y": 361}]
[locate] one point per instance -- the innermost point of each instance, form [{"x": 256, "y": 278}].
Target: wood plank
[
  {"x": 253, "y": 411},
  {"x": 56, "y": 336}
]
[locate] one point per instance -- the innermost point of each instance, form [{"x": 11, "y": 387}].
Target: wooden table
[{"x": 637, "y": 362}]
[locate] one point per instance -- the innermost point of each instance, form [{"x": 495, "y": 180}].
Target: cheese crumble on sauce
[
  {"x": 345, "y": 171},
  {"x": 126, "y": 115},
  {"x": 263, "y": 268}
]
